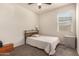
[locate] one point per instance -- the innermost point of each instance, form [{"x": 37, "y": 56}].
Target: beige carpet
[{"x": 32, "y": 51}]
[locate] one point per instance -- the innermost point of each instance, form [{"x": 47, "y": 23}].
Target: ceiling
[{"x": 44, "y": 7}]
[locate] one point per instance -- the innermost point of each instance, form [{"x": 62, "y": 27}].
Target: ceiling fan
[{"x": 39, "y": 4}]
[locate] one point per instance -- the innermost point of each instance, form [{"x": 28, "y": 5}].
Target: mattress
[{"x": 47, "y": 43}]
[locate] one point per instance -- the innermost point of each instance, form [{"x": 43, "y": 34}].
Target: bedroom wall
[
  {"x": 77, "y": 26},
  {"x": 14, "y": 19},
  {"x": 48, "y": 22}
]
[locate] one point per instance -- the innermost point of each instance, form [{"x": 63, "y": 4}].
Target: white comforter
[{"x": 44, "y": 42}]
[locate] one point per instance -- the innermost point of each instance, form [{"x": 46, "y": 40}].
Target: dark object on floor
[{"x": 1, "y": 44}]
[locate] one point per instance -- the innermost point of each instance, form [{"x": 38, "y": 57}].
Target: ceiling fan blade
[
  {"x": 48, "y": 3},
  {"x": 30, "y": 3}
]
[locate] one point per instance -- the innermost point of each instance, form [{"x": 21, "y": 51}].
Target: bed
[{"x": 47, "y": 43}]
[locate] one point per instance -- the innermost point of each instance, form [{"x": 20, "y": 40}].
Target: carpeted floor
[{"x": 32, "y": 51}]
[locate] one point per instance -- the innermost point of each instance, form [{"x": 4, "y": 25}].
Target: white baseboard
[
  {"x": 19, "y": 43},
  {"x": 78, "y": 52}
]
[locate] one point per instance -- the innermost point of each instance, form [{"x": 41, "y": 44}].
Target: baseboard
[
  {"x": 78, "y": 52},
  {"x": 19, "y": 43}
]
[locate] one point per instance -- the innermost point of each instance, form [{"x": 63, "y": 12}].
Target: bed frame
[{"x": 29, "y": 33}]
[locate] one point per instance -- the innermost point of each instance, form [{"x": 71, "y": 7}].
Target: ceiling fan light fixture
[{"x": 39, "y": 6}]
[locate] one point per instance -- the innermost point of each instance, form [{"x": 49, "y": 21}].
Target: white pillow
[{"x": 36, "y": 35}]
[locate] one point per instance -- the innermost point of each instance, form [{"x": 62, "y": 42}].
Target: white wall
[
  {"x": 13, "y": 20},
  {"x": 48, "y": 21},
  {"x": 77, "y": 26}
]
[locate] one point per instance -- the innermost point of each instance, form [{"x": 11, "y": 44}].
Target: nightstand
[{"x": 70, "y": 41}]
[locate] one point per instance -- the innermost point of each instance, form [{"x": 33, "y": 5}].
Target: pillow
[{"x": 35, "y": 35}]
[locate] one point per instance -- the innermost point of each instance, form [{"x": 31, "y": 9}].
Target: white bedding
[{"x": 44, "y": 42}]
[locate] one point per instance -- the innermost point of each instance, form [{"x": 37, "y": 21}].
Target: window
[{"x": 64, "y": 21}]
